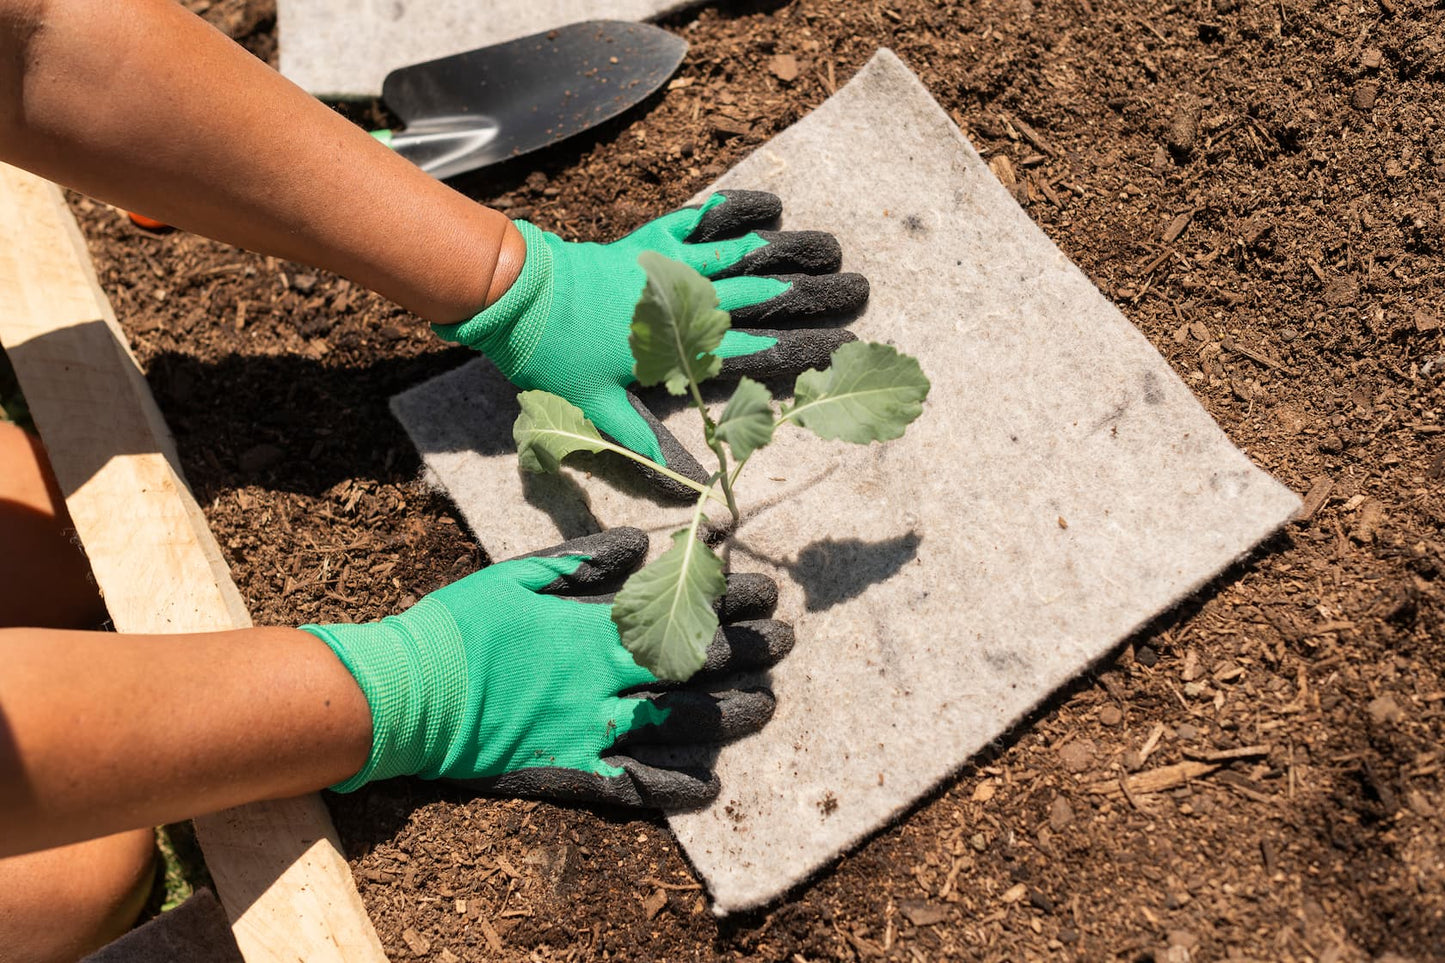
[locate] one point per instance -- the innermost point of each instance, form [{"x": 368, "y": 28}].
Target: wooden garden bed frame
[{"x": 277, "y": 866}]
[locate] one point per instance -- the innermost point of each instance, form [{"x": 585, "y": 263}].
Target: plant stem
[
  {"x": 709, "y": 427},
  {"x": 662, "y": 470},
  {"x": 696, "y": 517},
  {"x": 738, "y": 469},
  {"x": 727, "y": 485}
]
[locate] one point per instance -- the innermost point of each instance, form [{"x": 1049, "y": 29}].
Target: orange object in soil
[{"x": 149, "y": 223}]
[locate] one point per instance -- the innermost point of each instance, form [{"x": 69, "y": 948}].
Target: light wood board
[{"x": 277, "y": 865}]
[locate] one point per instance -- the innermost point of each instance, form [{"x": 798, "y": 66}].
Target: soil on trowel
[{"x": 1258, "y": 186}]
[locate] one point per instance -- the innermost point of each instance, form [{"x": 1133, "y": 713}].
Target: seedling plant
[{"x": 666, "y": 613}]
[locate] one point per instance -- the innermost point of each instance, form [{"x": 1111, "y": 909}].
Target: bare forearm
[
  {"x": 144, "y": 105},
  {"x": 102, "y": 732}
]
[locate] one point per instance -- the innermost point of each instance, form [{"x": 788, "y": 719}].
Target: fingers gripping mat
[{"x": 1061, "y": 488}]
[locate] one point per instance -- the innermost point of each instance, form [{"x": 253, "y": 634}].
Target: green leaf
[
  {"x": 549, "y": 429},
  {"x": 665, "y": 610},
  {"x": 676, "y": 325},
  {"x": 747, "y": 421},
  {"x": 870, "y": 392}
]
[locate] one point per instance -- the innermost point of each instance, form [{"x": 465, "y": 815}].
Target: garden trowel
[{"x": 495, "y": 103}]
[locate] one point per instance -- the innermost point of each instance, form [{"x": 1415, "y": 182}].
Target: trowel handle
[{"x": 443, "y": 149}]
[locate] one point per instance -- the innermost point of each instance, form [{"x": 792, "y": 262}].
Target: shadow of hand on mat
[{"x": 834, "y": 570}]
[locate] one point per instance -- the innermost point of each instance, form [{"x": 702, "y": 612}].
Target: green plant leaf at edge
[
  {"x": 665, "y": 612},
  {"x": 549, "y": 429},
  {"x": 870, "y": 392},
  {"x": 747, "y": 422},
  {"x": 676, "y": 325}
]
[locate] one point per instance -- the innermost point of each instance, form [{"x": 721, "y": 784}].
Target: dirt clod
[
  {"x": 1384, "y": 710},
  {"x": 1183, "y": 132},
  {"x": 921, "y": 913},
  {"x": 1078, "y": 755},
  {"x": 784, "y": 67},
  {"x": 1061, "y": 814}
]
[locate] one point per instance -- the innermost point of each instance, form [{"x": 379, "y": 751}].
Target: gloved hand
[
  {"x": 513, "y": 680},
  {"x": 563, "y": 325}
]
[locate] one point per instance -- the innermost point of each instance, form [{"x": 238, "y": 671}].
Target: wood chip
[
  {"x": 1368, "y": 519},
  {"x": 653, "y": 881},
  {"x": 489, "y": 933},
  {"x": 1315, "y": 498},
  {"x": 1259, "y": 357},
  {"x": 1176, "y": 227},
  {"x": 922, "y": 913},
  {"x": 418, "y": 944},
  {"x": 447, "y": 956},
  {"x": 1015, "y": 893},
  {"x": 1003, "y": 169},
  {"x": 1155, "y": 780},
  {"x": 1030, "y": 135},
  {"x": 1220, "y": 755},
  {"x": 1242, "y": 784},
  {"x": 1146, "y": 750},
  {"x": 724, "y": 126},
  {"x": 653, "y": 903}
]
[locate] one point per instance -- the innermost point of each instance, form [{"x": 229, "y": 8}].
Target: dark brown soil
[{"x": 1258, "y": 186}]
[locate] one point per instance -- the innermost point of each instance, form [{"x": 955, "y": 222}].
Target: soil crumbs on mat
[{"x": 1258, "y": 187}]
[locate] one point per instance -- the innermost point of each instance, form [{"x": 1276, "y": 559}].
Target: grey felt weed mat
[
  {"x": 1061, "y": 489},
  {"x": 343, "y": 48}
]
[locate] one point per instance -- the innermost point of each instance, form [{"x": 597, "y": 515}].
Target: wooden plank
[{"x": 277, "y": 865}]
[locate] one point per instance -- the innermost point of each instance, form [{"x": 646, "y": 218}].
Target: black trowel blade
[{"x": 529, "y": 93}]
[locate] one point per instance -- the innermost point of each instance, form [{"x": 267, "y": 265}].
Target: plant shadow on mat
[{"x": 834, "y": 570}]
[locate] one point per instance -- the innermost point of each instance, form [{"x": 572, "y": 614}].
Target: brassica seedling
[{"x": 666, "y": 612}]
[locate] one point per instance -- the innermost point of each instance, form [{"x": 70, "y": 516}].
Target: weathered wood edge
[{"x": 277, "y": 865}]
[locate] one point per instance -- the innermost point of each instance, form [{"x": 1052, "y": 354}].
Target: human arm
[
  {"x": 511, "y": 680},
  {"x": 102, "y": 732},
  {"x": 145, "y": 105}
]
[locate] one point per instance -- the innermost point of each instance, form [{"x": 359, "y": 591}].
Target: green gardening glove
[
  {"x": 513, "y": 680},
  {"x": 563, "y": 325}
]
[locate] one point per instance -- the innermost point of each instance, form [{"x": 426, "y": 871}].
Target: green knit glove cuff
[
  {"x": 416, "y": 690},
  {"x": 509, "y": 330}
]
